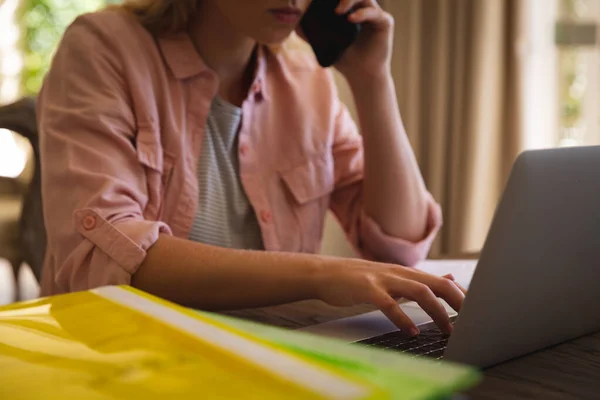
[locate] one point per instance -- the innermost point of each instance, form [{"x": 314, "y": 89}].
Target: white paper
[{"x": 461, "y": 269}]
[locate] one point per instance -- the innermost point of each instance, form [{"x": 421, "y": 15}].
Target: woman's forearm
[
  {"x": 394, "y": 191},
  {"x": 213, "y": 278}
]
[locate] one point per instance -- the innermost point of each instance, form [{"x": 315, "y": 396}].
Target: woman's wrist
[
  {"x": 374, "y": 82},
  {"x": 327, "y": 274},
  {"x": 315, "y": 273}
]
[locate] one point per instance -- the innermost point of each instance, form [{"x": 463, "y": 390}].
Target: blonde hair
[{"x": 163, "y": 16}]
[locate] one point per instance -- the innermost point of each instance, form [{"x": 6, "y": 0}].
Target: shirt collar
[
  {"x": 181, "y": 55},
  {"x": 185, "y": 62}
]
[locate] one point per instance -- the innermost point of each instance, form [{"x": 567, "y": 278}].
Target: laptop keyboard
[{"x": 430, "y": 343}]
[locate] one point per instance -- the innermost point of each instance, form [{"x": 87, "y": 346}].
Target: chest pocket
[
  {"x": 158, "y": 166},
  {"x": 310, "y": 186}
]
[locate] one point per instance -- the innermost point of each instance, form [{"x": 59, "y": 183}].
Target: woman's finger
[
  {"x": 370, "y": 14},
  {"x": 346, "y": 6},
  {"x": 372, "y": 3},
  {"x": 425, "y": 297},
  {"x": 442, "y": 287},
  {"x": 461, "y": 288},
  {"x": 449, "y": 276},
  {"x": 458, "y": 285},
  {"x": 447, "y": 290},
  {"x": 390, "y": 308}
]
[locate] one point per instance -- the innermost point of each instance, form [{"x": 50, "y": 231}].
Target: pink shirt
[{"x": 122, "y": 116}]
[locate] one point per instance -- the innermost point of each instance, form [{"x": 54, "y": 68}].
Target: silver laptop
[{"x": 537, "y": 283}]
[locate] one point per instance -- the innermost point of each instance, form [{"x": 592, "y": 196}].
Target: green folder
[{"x": 398, "y": 374}]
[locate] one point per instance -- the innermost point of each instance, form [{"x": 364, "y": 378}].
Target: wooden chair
[{"x": 22, "y": 232}]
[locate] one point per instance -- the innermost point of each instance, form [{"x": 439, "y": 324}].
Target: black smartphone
[{"x": 328, "y": 33}]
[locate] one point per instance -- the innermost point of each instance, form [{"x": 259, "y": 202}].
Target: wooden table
[{"x": 568, "y": 371}]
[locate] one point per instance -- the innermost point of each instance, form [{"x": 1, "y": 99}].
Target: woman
[{"x": 181, "y": 139}]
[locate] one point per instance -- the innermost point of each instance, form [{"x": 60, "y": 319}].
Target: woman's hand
[
  {"x": 372, "y": 52},
  {"x": 346, "y": 283}
]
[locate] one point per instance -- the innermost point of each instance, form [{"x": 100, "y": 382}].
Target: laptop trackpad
[{"x": 369, "y": 325}]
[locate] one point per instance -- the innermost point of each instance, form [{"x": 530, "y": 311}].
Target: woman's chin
[{"x": 275, "y": 37}]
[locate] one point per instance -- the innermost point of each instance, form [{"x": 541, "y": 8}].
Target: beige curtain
[{"x": 459, "y": 71}]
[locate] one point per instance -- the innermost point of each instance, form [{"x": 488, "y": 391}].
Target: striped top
[{"x": 225, "y": 216}]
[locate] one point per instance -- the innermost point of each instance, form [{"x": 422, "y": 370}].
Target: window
[
  {"x": 578, "y": 72},
  {"x": 31, "y": 30}
]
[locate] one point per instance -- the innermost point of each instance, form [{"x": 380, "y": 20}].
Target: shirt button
[
  {"x": 266, "y": 217},
  {"x": 257, "y": 87},
  {"x": 244, "y": 149},
  {"x": 89, "y": 222}
]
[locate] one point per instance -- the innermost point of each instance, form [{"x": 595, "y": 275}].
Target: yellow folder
[{"x": 116, "y": 343}]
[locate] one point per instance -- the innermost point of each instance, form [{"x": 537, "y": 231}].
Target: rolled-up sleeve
[
  {"x": 94, "y": 188},
  {"x": 347, "y": 203}
]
